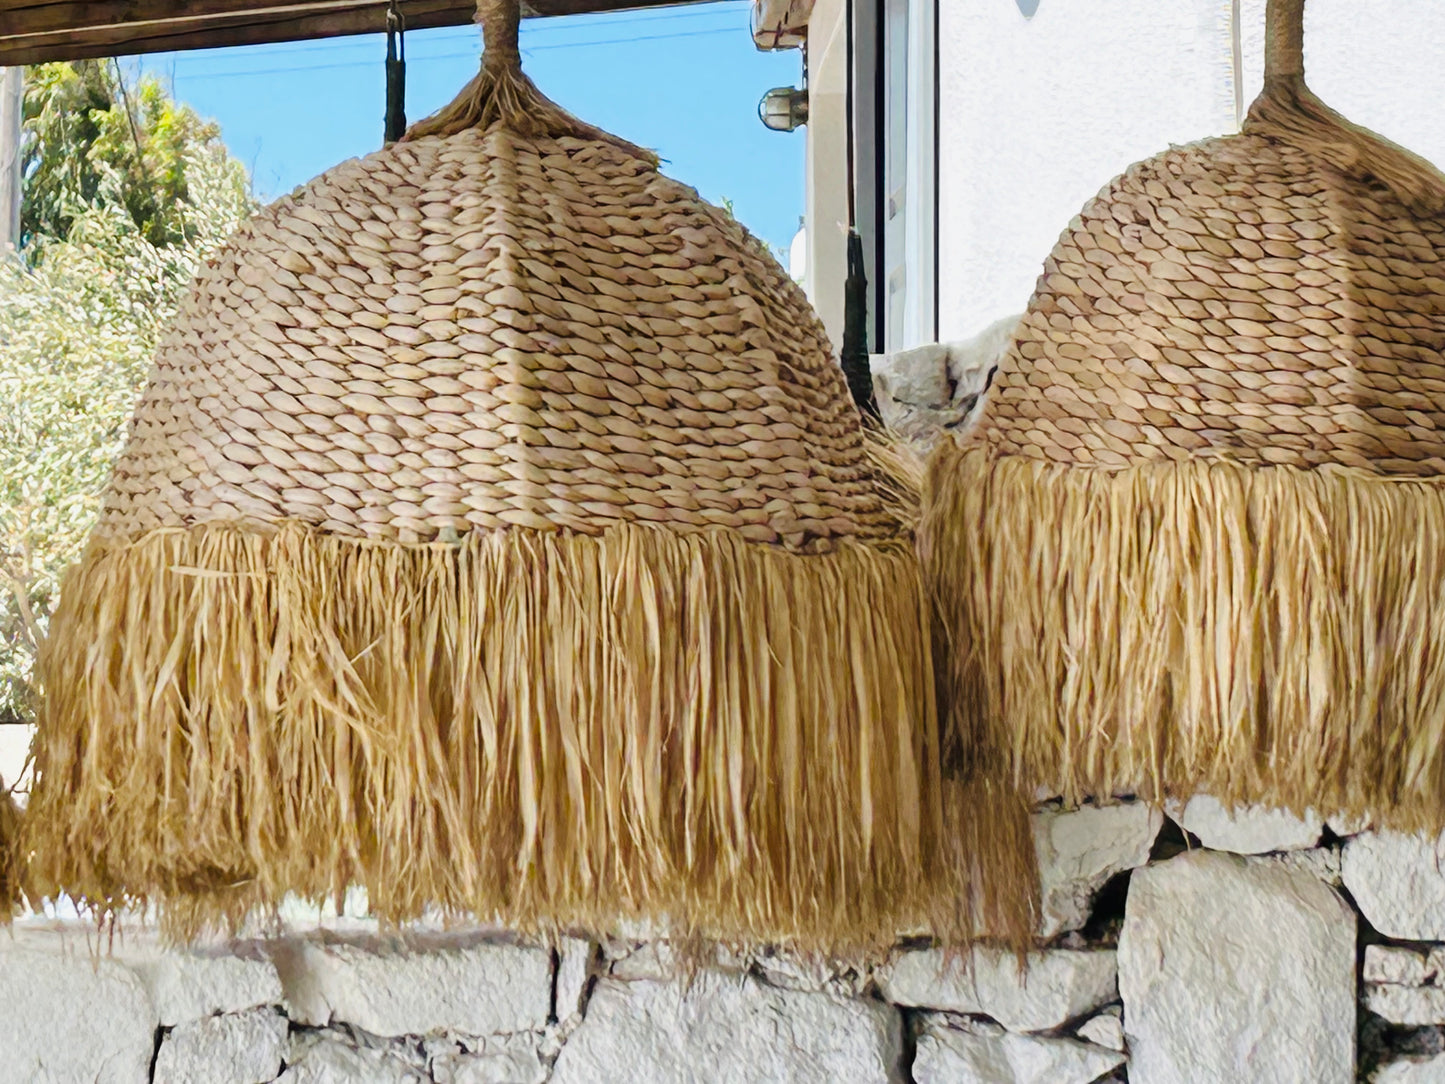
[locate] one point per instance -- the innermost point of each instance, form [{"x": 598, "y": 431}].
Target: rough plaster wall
[{"x": 1038, "y": 114}]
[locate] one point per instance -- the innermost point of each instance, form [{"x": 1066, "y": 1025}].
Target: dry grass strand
[
  {"x": 1264, "y": 635},
  {"x": 551, "y": 729}
]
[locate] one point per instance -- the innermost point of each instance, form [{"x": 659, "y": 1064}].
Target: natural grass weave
[
  {"x": 496, "y": 533},
  {"x": 553, "y": 728},
  {"x": 1196, "y": 540}
]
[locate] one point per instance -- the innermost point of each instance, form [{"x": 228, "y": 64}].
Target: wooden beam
[
  {"x": 37, "y": 39},
  {"x": 35, "y": 31},
  {"x": 44, "y": 18}
]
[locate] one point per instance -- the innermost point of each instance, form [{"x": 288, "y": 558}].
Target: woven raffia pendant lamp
[
  {"x": 1197, "y": 539},
  {"x": 496, "y": 533}
]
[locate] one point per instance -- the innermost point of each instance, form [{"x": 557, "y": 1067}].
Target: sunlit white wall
[{"x": 1036, "y": 115}]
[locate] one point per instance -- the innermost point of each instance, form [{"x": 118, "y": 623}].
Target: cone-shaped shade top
[{"x": 492, "y": 328}]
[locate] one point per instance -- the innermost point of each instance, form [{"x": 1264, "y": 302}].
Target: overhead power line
[{"x": 419, "y": 59}]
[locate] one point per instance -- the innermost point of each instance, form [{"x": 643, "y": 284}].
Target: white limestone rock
[
  {"x": 651, "y": 961},
  {"x": 809, "y": 974},
  {"x": 15, "y": 759},
  {"x": 574, "y": 968},
  {"x": 658, "y": 961},
  {"x": 938, "y": 385},
  {"x": 70, "y": 1013},
  {"x": 915, "y": 377},
  {"x": 1249, "y": 829},
  {"x": 236, "y": 1048},
  {"x": 1236, "y": 971},
  {"x": 1404, "y": 985},
  {"x": 1080, "y": 849},
  {"x": 728, "y": 1028},
  {"x": 1398, "y": 883},
  {"x": 638, "y": 930},
  {"x": 1060, "y": 985},
  {"x": 509, "y": 1059},
  {"x": 191, "y": 985},
  {"x": 326, "y": 1059},
  {"x": 1412, "y": 1071},
  {"x": 967, "y": 1053},
  {"x": 1345, "y": 827},
  {"x": 303, "y": 916},
  {"x": 1399, "y": 966},
  {"x": 1322, "y": 863},
  {"x": 805, "y": 974},
  {"x": 971, "y": 361},
  {"x": 1106, "y": 1029},
  {"x": 1416, "y": 1006},
  {"x": 913, "y": 392},
  {"x": 419, "y": 986}
]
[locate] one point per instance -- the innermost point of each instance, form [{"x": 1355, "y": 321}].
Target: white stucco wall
[{"x": 1036, "y": 115}]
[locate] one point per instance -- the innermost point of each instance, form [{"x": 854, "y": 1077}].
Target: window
[{"x": 908, "y": 168}]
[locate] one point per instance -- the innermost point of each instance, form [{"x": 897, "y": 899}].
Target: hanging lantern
[
  {"x": 1197, "y": 539},
  {"x": 495, "y": 532}
]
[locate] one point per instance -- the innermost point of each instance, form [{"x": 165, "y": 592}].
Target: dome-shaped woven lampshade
[
  {"x": 495, "y": 532},
  {"x": 1197, "y": 539}
]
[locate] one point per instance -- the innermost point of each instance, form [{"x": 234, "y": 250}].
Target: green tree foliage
[
  {"x": 93, "y": 140},
  {"x": 114, "y": 237}
]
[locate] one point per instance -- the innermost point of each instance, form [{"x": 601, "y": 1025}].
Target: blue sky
[{"x": 684, "y": 81}]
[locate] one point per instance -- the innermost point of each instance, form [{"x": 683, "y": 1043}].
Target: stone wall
[{"x": 1181, "y": 945}]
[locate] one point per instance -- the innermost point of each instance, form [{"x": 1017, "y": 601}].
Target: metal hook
[{"x": 395, "y": 72}]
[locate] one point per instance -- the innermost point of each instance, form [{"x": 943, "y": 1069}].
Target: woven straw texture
[
  {"x": 1234, "y": 298},
  {"x": 496, "y": 532},
  {"x": 1192, "y": 543},
  {"x": 495, "y": 330}
]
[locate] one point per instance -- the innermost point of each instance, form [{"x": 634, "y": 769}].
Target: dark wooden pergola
[{"x": 34, "y": 31}]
